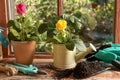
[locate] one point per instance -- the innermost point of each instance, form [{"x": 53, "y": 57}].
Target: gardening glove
[
  {"x": 112, "y": 49},
  {"x": 115, "y": 50},
  {"x": 8, "y": 70},
  {"x": 107, "y": 56},
  {"x": 91, "y": 55}
]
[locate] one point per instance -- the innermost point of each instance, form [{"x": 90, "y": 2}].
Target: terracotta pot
[{"x": 24, "y": 51}]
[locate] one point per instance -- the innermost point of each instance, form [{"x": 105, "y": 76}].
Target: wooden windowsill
[
  {"x": 107, "y": 75},
  {"x": 10, "y": 60}
]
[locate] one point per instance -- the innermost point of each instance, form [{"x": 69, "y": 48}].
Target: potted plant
[
  {"x": 23, "y": 34},
  {"x": 64, "y": 33}
]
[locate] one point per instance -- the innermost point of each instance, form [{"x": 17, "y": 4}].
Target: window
[
  {"x": 100, "y": 11},
  {"x": 4, "y": 20}
]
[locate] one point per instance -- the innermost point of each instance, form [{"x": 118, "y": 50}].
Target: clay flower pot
[{"x": 24, "y": 51}]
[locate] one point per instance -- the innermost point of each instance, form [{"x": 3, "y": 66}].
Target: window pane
[
  {"x": 41, "y": 10},
  {"x": 103, "y": 12},
  {"x": 97, "y": 18}
]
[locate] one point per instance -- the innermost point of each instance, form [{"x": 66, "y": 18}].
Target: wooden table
[{"x": 107, "y": 75}]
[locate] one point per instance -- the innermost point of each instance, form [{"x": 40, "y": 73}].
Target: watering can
[{"x": 67, "y": 59}]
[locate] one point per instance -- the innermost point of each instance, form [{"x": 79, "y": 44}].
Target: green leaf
[
  {"x": 51, "y": 24},
  {"x": 72, "y": 19},
  {"x": 50, "y": 33},
  {"x": 14, "y": 32},
  {"x": 27, "y": 22},
  {"x": 42, "y": 28},
  {"x": 11, "y": 23},
  {"x": 65, "y": 40},
  {"x": 80, "y": 45},
  {"x": 17, "y": 25},
  {"x": 77, "y": 14},
  {"x": 34, "y": 38},
  {"x": 58, "y": 40},
  {"x": 70, "y": 46},
  {"x": 78, "y": 25},
  {"x": 12, "y": 37}
]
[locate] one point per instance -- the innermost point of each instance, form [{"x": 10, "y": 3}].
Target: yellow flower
[{"x": 61, "y": 24}]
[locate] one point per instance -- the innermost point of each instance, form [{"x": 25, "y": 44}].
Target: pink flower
[
  {"x": 94, "y": 15},
  {"x": 21, "y": 8}
]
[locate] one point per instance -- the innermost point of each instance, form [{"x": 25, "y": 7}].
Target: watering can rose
[
  {"x": 61, "y": 25},
  {"x": 21, "y": 8}
]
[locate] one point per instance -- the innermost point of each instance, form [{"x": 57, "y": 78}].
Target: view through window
[{"x": 96, "y": 19}]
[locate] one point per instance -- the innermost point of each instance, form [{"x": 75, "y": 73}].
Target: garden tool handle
[
  {"x": 2, "y": 29},
  {"x": 3, "y": 39},
  {"x": 116, "y": 63},
  {"x": 26, "y": 69}
]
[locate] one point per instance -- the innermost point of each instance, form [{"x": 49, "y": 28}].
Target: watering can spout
[{"x": 81, "y": 55}]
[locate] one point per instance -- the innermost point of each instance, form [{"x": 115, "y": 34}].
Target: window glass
[
  {"x": 42, "y": 10},
  {"x": 103, "y": 13},
  {"x": 97, "y": 19}
]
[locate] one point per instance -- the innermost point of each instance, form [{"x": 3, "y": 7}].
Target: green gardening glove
[
  {"x": 115, "y": 50},
  {"x": 107, "y": 56}
]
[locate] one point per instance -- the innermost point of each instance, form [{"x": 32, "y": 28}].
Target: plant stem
[{"x": 22, "y": 31}]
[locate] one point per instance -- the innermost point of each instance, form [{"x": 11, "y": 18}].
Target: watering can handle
[{"x": 47, "y": 49}]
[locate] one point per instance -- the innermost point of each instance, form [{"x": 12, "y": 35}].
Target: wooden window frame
[
  {"x": 117, "y": 22},
  {"x": 4, "y": 20}
]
